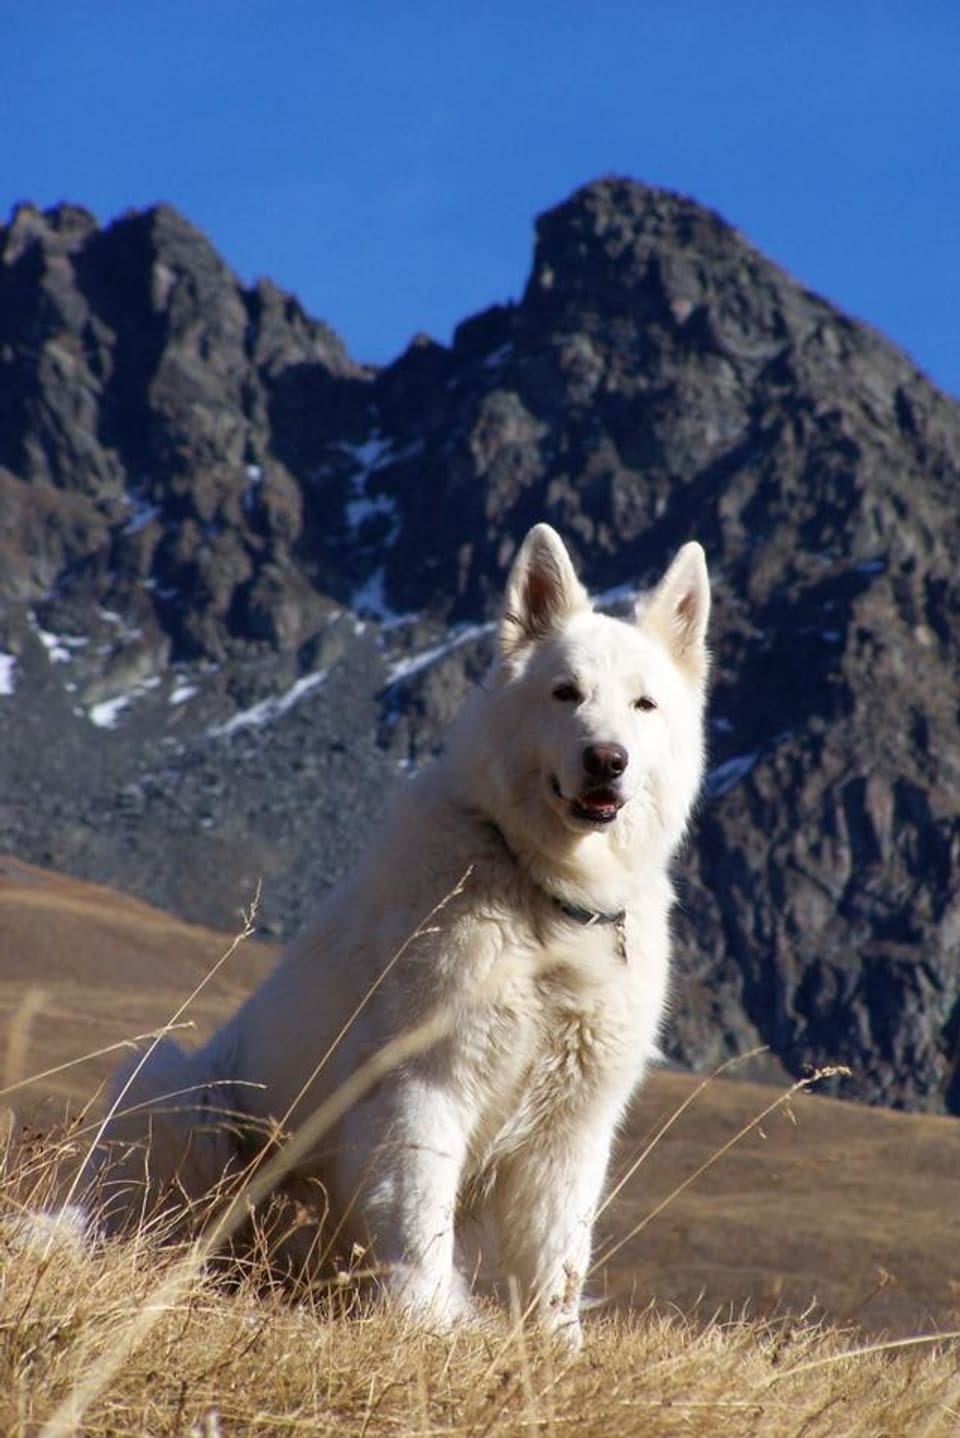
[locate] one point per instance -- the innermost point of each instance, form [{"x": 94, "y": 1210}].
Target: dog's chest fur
[{"x": 570, "y": 1035}]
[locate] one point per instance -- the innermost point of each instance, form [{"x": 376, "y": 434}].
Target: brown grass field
[{"x": 772, "y": 1264}]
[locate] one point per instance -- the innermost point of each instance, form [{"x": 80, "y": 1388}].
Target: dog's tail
[{"x": 170, "y": 1143}]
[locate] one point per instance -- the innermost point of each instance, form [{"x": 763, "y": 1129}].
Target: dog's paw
[
  {"x": 69, "y": 1230},
  {"x": 436, "y": 1301},
  {"x": 564, "y": 1332}
]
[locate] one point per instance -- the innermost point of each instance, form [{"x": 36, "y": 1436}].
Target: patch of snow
[
  {"x": 8, "y": 664},
  {"x": 496, "y": 358},
  {"x": 618, "y": 595},
  {"x": 268, "y": 709},
  {"x": 143, "y": 514},
  {"x": 361, "y": 508},
  {"x": 374, "y": 454},
  {"x": 254, "y": 480},
  {"x": 726, "y": 776},
  {"x": 370, "y": 602},
  {"x": 182, "y": 691},
  {"x": 412, "y": 664},
  {"x": 58, "y": 646},
  {"x": 106, "y": 714},
  {"x": 370, "y": 454},
  {"x": 378, "y": 451},
  {"x": 129, "y": 633}
]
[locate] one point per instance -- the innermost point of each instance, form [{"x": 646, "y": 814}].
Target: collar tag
[{"x": 587, "y": 918}]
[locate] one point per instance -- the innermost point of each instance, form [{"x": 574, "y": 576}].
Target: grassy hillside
[
  {"x": 732, "y": 1236},
  {"x": 126, "y": 1340},
  {"x": 855, "y": 1211},
  {"x": 83, "y": 967}
]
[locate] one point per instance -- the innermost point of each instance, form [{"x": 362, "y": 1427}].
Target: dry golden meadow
[{"x": 771, "y": 1263}]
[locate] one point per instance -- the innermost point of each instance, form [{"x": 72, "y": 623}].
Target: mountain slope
[{"x": 245, "y": 577}]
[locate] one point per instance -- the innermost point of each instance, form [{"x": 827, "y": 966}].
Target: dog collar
[
  {"x": 586, "y": 918},
  {"x": 589, "y": 917}
]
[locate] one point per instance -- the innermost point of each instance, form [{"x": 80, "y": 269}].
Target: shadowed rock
[{"x": 199, "y": 490}]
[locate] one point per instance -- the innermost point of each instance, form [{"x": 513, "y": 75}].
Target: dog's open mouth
[{"x": 599, "y": 806}]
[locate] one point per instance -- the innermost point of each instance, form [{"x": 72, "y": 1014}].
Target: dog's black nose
[{"x": 605, "y": 761}]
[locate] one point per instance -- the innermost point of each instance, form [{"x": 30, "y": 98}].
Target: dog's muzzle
[{"x": 597, "y": 804}]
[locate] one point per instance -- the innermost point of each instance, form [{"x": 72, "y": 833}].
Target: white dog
[{"x": 545, "y": 835}]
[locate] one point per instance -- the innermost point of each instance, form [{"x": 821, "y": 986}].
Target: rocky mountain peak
[
  {"x": 243, "y": 578},
  {"x": 615, "y": 241}
]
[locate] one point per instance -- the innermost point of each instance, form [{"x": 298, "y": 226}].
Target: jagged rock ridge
[{"x": 209, "y": 507}]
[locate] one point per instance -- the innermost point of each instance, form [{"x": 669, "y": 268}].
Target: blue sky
[{"x": 385, "y": 161}]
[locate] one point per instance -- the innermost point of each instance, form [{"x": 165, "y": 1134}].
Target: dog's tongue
[{"x": 600, "y": 804}]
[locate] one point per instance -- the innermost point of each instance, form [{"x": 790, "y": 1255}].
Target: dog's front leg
[
  {"x": 545, "y": 1202},
  {"x": 399, "y": 1175}
]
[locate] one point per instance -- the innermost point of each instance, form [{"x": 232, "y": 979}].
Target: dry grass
[
  {"x": 132, "y": 1337},
  {"x": 139, "y": 1336}
]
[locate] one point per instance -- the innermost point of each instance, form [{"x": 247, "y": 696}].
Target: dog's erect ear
[
  {"x": 679, "y": 607},
  {"x": 542, "y": 590}
]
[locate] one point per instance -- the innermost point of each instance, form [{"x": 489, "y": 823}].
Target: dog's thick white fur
[{"x": 563, "y": 793}]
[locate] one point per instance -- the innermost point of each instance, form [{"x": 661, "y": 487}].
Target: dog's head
[{"x": 606, "y": 716}]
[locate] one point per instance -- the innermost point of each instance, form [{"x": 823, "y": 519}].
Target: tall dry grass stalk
[{"x": 140, "y": 1336}]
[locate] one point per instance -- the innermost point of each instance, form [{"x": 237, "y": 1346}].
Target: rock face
[{"x": 243, "y": 578}]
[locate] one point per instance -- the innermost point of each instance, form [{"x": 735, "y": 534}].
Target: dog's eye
[
  {"x": 645, "y": 704},
  {"x": 567, "y": 693}
]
